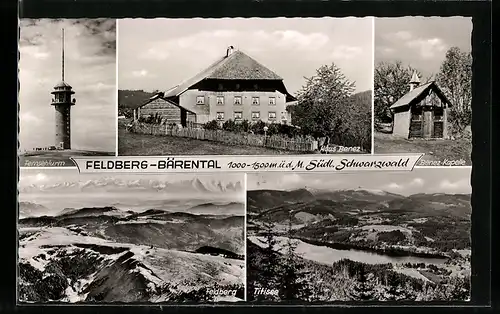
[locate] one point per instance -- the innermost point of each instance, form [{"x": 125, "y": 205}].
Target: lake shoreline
[{"x": 391, "y": 252}]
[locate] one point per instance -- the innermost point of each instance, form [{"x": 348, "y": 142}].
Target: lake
[{"x": 326, "y": 255}]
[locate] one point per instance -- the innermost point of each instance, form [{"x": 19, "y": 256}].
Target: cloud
[
  {"x": 36, "y": 52},
  {"x": 385, "y": 50},
  {"x": 292, "y": 48},
  {"x": 394, "y": 186},
  {"x": 429, "y": 47},
  {"x": 90, "y": 68},
  {"x": 155, "y": 53},
  {"x": 99, "y": 87},
  {"x": 140, "y": 73},
  {"x": 402, "y": 35},
  {"x": 346, "y": 52},
  {"x": 417, "y": 182},
  {"x": 455, "y": 186},
  {"x": 28, "y": 117}
]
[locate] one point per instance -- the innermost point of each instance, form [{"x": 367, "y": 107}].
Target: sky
[
  {"x": 421, "y": 42},
  {"x": 52, "y": 176},
  {"x": 90, "y": 68},
  {"x": 161, "y": 53},
  {"x": 420, "y": 180}
]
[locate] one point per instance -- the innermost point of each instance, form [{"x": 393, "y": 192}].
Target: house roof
[
  {"x": 416, "y": 92},
  {"x": 159, "y": 96},
  {"x": 236, "y": 66}
]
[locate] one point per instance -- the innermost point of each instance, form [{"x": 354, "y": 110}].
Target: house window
[
  {"x": 220, "y": 100},
  {"x": 220, "y": 115},
  {"x": 238, "y": 115},
  {"x": 416, "y": 114},
  {"x": 255, "y": 115},
  {"x": 200, "y": 100},
  {"x": 438, "y": 114},
  {"x": 237, "y": 100},
  {"x": 272, "y": 115},
  {"x": 272, "y": 101},
  {"x": 255, "y": 101}
]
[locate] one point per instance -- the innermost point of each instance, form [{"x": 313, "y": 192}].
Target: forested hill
[
  {"x": 363, "y": 98},
  {"x": 132, "y": 98}
]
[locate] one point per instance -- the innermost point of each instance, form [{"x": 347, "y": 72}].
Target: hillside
[
  {"x": 363, "y": 99},
  {"x": 359, "y": 245},
  {"x": 169, "y": 230},
  {"x": 131, "y": 99},
  {"x": 433, "y": 222},
  {"x": 59, "y": 264}
]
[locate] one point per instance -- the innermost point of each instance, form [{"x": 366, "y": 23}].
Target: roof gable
[
  {"x": 236, "y": 66},
  {"x": 239, "y": 66},
  {"x": 159, "y": 96},
  {"x": 416, "y": 92}
]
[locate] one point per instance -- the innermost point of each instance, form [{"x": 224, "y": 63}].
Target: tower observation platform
[{"x": 62, "y": 102}]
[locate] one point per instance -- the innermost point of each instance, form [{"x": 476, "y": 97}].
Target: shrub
[
  {"x": 230, "y": 126},
  {"x": 212, "y": 125}
]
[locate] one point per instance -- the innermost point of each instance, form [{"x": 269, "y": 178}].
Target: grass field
[
  {"x": 435, "y": 150},
  {"x": 133, "y": 144}
]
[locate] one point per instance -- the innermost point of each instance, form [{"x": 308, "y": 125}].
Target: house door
[
  {"x": 428, "y": 124},
  {"x": 183, "y": 118}
]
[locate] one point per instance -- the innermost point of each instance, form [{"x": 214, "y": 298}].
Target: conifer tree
[
  {"x": 293, "y": 285},
  {"x": 362, "y": 290},
  {"x": 270, "y": 261},
  {"x": 394, "y": 290}
]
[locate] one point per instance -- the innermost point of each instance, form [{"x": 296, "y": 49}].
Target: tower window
[
  {"x": 255, "y": 101},
  {"x": 200, "y": 100},
  {"x": 272, "y": 115},
  {"x": 238, "y": 115},
  {"x": 272, "y": 101}
]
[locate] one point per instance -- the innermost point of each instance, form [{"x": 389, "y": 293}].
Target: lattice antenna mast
[{"x": 62, "y": 68}]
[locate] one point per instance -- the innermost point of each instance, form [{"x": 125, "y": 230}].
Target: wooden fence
[{"x": 230, "y": 138}]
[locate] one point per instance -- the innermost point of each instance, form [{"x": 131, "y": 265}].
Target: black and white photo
[
  {"x": 422, "y": 102},
  {"x": 393, "y": 237},
  {"x": 67, "y": 90},
  {"x": 131, "y": 239},
  {"x": 252, "y": 86}
]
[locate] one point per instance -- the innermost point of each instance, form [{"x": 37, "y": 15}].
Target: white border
[
  {"x": 373, "y": 86},
  {"x": 116, "y": 86},
  {"x": 245, "y": 236}
]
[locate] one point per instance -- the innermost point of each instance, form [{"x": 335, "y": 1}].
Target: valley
[
  {"x": 422, "y": 240},
  {"x": 105, "y": 254}
]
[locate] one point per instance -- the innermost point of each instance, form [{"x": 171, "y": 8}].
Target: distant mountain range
[
  {"x": 140, "y": 185},
  {"x": 171, "y": 230},
  {"x": 32, "y": 209},
  {"x": 274, "y": 203}
]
